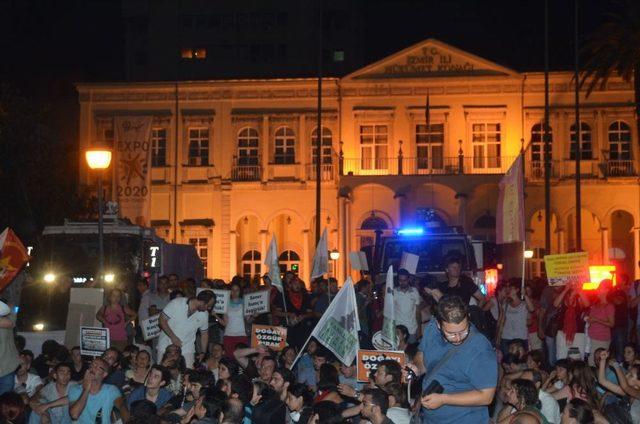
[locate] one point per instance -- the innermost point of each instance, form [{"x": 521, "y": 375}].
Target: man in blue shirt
[
  {"x": 153, "y": 389},
  {"x": 469, "y": 374}
]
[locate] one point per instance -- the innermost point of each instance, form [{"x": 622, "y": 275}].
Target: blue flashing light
[{"x": 411, "y": 231}]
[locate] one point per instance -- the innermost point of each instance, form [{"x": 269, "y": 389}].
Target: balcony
[
  {"x": 246, "y": 173},
  {"x": 566, "y": 168},
  {"x": 328, "y": 172},
  {"x": 426, "y": 166},
  {"x": 620, "y": 168}
]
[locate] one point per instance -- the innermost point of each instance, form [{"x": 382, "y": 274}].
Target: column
[
  {"x": 233, "y": 254},
  {"x": 305, "y": 272},
  {"x": 302, "y": 149},
  {"x": 347, "y": 236},
  {"x": 462, "y": 210},
  {"x": 342, "y": 240},
  {"x": 263, "y": 245},
  {"x": 400, "y": 197},
  {"x": 604, "y": 236},
  {"x": 636, "y": 252},
  {"x": 264, "y": 151},
  {"x": 561, "y": 240}
]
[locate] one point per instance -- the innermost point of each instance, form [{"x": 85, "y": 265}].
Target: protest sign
[
  {"x": 358, "y": 261},
  {"x": 270, "y": 336},
  {"x": 256, "y": 303},
  {"x": 368, "y": 360},
  {"x": 222, "y": 299},
  {"x": 567, "y": 268},
  {"x": 94, "y": 340},
  {"x": 150, "y": 327},
  {"x": 409, "y": 261}
]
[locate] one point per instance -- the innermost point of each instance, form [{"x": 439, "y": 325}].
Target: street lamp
[
  {"x": 528, "y": 254},
  {"x": 99, "y": 159},
  {"x": 334, "y": 255}
]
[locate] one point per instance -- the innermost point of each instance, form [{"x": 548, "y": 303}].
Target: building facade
[{"x": 233, "y": 160}]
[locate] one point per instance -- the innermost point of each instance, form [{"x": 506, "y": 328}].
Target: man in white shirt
[
  {"x": 181, "y": 319},
  {"x": 147, "y": 298},
  {"x": 406, "y": 305},
  {"x": 26, "y": 383}
]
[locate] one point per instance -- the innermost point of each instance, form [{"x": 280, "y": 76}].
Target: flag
[
  {"x": 13, "y": 256},
  {"x": 321, "y": 257},
  {"x": 338, "y": 327},
  {"x": 389, "y": 317},
  {"x": 510, "y": 219},
  {"x": 272, "y": 262}
]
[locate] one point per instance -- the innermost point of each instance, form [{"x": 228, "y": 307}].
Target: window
[
  {"x": 486, "y": 145},
  {"x": 619, "y": 141},
  {"x": 585, "y": 142},
  {"x": 248, "y": 141},
  {"x": 537, "y": 142},
  {"x": 289, "y": 261},
  {"x": 373, "y": 146},
  {"x": 327, "y": 148},
  {"x": 536, "y": 264},
  {"x": 338, "y": 55},
  {"x": 158, "y": 147},
  {"x": 201, "y": 245},
  {"x": 251, "y": 263},
  {"x": 429, "y": 146},
  {"x": 198, "y": 146},
  {"x": 285, "y": 143}
]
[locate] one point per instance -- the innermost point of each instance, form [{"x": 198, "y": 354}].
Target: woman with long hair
[
  {"x": 523, "y": 396},
  {"x": 115, "y": 317},
  {"x": 573, "y": 303},
  {"x": 578, "y": 412},
  {"x": 601, "y": 318},
  {"x": 137, "y": 375},
  {"x": 235, "y": 330},
  {"x": 328, "y": 385},
  {"x": 582, "y": 385},
  {"x": 629, "y": 382}
]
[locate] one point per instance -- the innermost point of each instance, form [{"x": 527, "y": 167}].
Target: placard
[
  {"x": 94, "y": 341},
  {"x": 222, "y": 299},
  {"x": 368, "y": 360},
  {"x": 271, "y": 336},
  {"x": 409, "y": 261},
  {"x": 358, "y": 260},
  {"x": 150, "y": 327},
  {"x": 257, "y": 302},
  {"x": 567, "y": 268}
]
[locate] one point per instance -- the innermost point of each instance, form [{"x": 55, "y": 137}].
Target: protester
[
  {"x": 571, "y": 336},
  {"x": 153, "y": 389},
  {"x": 406, "y": 306},
  {"x": 51, "y": 403},
  {"x": 137, "y": 375},
  {"x": 234, "y": 320},
  {"x": 116, "y": 317},
  {"x": 601, "y": 319},
  {"x": 9, "y": 361},
  {"x": 512, "y": 324},
  {"x": 26, "y": 383}
]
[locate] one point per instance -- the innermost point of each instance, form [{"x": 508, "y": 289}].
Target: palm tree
[{"x": 614, "y": 48}]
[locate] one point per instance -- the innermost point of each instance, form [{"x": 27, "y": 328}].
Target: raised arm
[{"x": 602, "y": 378}]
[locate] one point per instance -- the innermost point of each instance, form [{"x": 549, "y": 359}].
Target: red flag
[{"x": 13, "y": 256}]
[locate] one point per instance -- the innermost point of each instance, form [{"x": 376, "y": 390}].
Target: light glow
[
  {"x": 528, "y": 254},
  {"x": 49, "y": 277},
  {"x": 416, "y": 231},
  {"x": 491, "y": 280},
  {"x": 38, "y": 327},
  {"x": 98, "y": 159},
  {"x": 109, "y": 278},
  {"x": 597, "y": 273},
  {"x": 334, "y": 255}
]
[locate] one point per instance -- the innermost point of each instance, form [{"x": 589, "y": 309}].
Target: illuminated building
[{"x": 245, "y": 161}]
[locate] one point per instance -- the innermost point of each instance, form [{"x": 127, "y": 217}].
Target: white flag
[
  {"x": 338, "y": 327},
  {"x": 321, "y": 257},
  {"x": 389, "y": 317},
  {"x": 272, "y": 262}
]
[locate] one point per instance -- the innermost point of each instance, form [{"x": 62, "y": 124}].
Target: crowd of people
[{"x": 550, "y": 354}]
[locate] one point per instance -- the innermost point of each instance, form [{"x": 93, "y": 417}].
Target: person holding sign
[
  {"x": 235, "y": 330},
  {"x": 573, "y": 304},
  {"x": 181, "y": 319}
]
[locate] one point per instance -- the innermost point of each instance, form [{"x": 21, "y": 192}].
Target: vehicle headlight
[
  {"x": 109, "y": 278},
  {"x": 38, "y": 327},
  {"x": 49, "y": 277}
]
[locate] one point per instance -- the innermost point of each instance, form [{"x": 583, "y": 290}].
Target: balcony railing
[
  {"x": 328, "y": 172},
  {"x": 246, "y": 173},
  {"x": 566, "y": 168},
  {"x": 426, "y": 166},
  {"x": 620, "y": 168}
]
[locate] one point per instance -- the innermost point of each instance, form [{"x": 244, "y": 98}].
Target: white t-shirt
[
  {"x": 550, "y": 408},
  {"x": 235, "y": 325},
  {"x": 184, "y": 326},
  {"x": 405, "y": 304},
  {"x": 399, "y": 415},
  {"x": 29, "y": 387}
]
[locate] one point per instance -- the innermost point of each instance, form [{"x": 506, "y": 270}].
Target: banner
[
  {"x": 272, "y": 262},
  {"x": 338, "y": 327},
  {"x": 358, "y": 260},
  {"x": 510, "y": 213},
  {"x": 320, "y": 258},
  {"x": 94, "y": 341},
  {"x": 256, "y": 303},
  {"x": 222, "y": 299},
  {"x": 13, "y": 256},
  {"x": 567, "y": 268},
  {"x": 271, "y": 336},
  {"x": 368, "y": 361},
  {"x": 132, "y": 167},
  {"x": 150, "y": 327},
  {"x": 388, "y": 332}
]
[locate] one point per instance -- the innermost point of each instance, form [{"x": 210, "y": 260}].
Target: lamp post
[
  {"x": 99, "y": 159},
  {"x": 334, "y": 255}
]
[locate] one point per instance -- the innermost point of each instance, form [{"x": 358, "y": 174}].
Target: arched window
[
  {"x": 537, "y": 142},
  {"x": 372, "y": 224},
  {"x": 586, "y": 147},
  {"x": 619, "y": 141},
  {"x": 484, "y": 228},
  {"x": 285, "y": 142},
  {"x": 251, "y": 263},
  {"x": 289, "y": 261},
  {"x": 248, "y": 141},
  {"x": 327, "y": 147}
]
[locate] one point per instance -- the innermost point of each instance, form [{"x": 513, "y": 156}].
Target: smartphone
[{"x": 433, "y": 387}]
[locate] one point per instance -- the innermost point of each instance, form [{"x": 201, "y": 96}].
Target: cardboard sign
[
  {"x": 358, "y": 260},
  {"x": 83, "y": 304},
  {"x": 222, "y": 299},
  {"x": 150, "y": 327},
  {"x": 270, "y": 336},
  {"x": 256, "y": 303},
  {"x": 368, "y": 360},
  {"x": 567, "y": 268},
  {"x": 94, "y": 340},
  {"x": 409, "y": 261}
]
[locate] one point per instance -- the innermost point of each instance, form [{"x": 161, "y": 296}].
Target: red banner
[{"x": 13, "y": 256}]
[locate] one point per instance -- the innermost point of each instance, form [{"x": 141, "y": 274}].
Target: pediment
[{"x": 430, "y": 59}]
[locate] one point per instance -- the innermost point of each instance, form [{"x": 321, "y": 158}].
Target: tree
[{"x": 614, "y": 48}]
